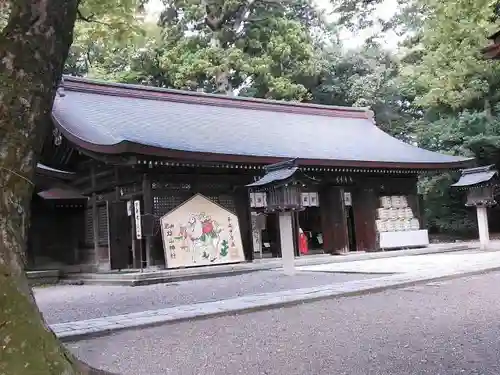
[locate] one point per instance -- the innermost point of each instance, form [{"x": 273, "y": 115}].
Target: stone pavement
[
  {"x": 68, "y": 303},
  {"x": 458, "y": 261},
  {"x": 147, "y": 277},
  {"x": 431, "y": 267},
  {"x": 436, "y": 328}
]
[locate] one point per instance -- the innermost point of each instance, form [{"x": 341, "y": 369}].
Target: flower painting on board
[{"x": 200, "y": 232}]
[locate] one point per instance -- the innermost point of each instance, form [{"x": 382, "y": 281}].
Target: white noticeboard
[
  {"x": 137, "y": 214},
  {"x": 404, "y": 239},
  {"x": 129, "y": 208}
]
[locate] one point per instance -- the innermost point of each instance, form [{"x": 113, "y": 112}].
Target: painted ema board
[{"x": 199, "y": 233}]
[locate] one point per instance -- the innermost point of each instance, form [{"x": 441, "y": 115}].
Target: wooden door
[
  {"x": 119, "y": 235},
  {"x": 333, "y": 220},
  {"x": 364, "y": 204}
]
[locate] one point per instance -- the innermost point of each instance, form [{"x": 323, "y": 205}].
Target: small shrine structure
[
  {"x": 282, "y": 189},
  {"x": 480, "y": 184}
]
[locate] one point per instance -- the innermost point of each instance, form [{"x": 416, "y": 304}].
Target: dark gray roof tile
[
  {"x": 103, "y": 119},
  {"x": 476, "y": 176},
  {"x": 274, "y": 176}
]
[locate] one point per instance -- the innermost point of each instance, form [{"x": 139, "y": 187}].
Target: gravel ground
[
  {"x": 440, "y": 328},
  {"x": 66, "y": 303}
]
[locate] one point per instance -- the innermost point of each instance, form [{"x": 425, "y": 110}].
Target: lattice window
[
  {"x": 227, "y": 201},
  {"x": 89, "y": 229},
  {"x": 102, "y": 214},
  {"x": 163, "y": 204}
]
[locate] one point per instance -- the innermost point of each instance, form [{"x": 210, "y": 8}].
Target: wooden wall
[
  {"x": 163, "y": 189},
  {"x": 56, "y": 236},
  {"x": 365, "y": 192}
]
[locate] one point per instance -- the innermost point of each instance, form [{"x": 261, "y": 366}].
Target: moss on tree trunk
[{"x": 33, "y": 48}]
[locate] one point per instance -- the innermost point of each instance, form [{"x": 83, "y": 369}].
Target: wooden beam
[
  {"x": 148, "y": 209},
  {"x": 95, "y": 216},
  {"x": 86, "y": 179},
  {"x": 242, "y": 205}
]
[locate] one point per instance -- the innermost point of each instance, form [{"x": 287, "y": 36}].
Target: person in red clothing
[{"x": 303, "y": 247}]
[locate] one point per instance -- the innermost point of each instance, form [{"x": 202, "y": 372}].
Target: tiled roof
[
  {"x": 58, "y": 194},
  {"x": 117, "y": 118},
  {"x": 275, "y": 176},
  {"x": 476, "y": 176},
  {"x": 46, "y": 168}
]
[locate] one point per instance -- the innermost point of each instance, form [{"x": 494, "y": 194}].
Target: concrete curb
[
  {"x": 245, "y": 304},
  {"x": 159, "y": 279}
]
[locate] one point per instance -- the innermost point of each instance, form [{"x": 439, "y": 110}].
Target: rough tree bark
[{"x": 33, "y": 48}]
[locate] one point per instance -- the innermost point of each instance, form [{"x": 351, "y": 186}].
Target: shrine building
[{"x": 134, "y": 176}]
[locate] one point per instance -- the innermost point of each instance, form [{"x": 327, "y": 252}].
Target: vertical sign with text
[{"x": 137, "y": 215}]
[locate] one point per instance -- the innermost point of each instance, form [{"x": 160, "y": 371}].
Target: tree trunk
[
  {"x": 222, "y": 83},
  {"x": 33, "y": 48}
]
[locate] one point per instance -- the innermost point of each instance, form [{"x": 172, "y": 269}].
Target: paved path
[
  {"x": 134, "y": 278},
  {"x": 66, "y": 303},
  {"x": 411, "y": 264},
  {"x": 468, "y": 264},
  {"x": 443, "y": 328}
]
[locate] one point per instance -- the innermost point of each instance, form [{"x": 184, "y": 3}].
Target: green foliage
[
  {"x": 104, "y": 29},
  {"x": 444, "y": 207},
  {"x": 367, "y": 77},
  {"x": 447, "y": 93},
  {"x": 4, "y": 13},
  {"x": 451, "y": 73},
  {"x": 456, "y": 98},
  {"x": 263, "y": 48},
  {"x": 357, "y": 15}
]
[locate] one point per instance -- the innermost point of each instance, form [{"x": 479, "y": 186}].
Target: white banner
[{"x": 137, "y": 214}]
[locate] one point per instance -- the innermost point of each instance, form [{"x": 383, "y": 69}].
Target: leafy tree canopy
[{"x": 262, "y": 48}]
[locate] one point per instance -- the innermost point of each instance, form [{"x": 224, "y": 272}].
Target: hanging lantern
[
  {"x": 285, "y": 197},
  {"x": 283, "y": 184},
  {"x": 481, "y": 197}
]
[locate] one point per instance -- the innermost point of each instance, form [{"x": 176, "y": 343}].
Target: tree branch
[
  {"x": 81, "y": 17},
  {"x": 90, "y": 18}
]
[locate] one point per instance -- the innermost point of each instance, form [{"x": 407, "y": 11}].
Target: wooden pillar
[
  {"x": 276, "y": 249},
  {"x": 364, "y": 204},
  {"x": 79, "y": 234},
  {"x": 295, "y": 232},
  {"x": 95, "y": 217},
  {"x": 421, "y": 211},
  {"x": 136, "y": 256},
  {"x": 148, "y": 209},
  {"x": 410, "y": 190},
  {"x": 243, "y": 211},
  {"x": 333, "y": 220}
]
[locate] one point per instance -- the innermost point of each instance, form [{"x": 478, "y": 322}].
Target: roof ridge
[{"x": 82, "y": 84}]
